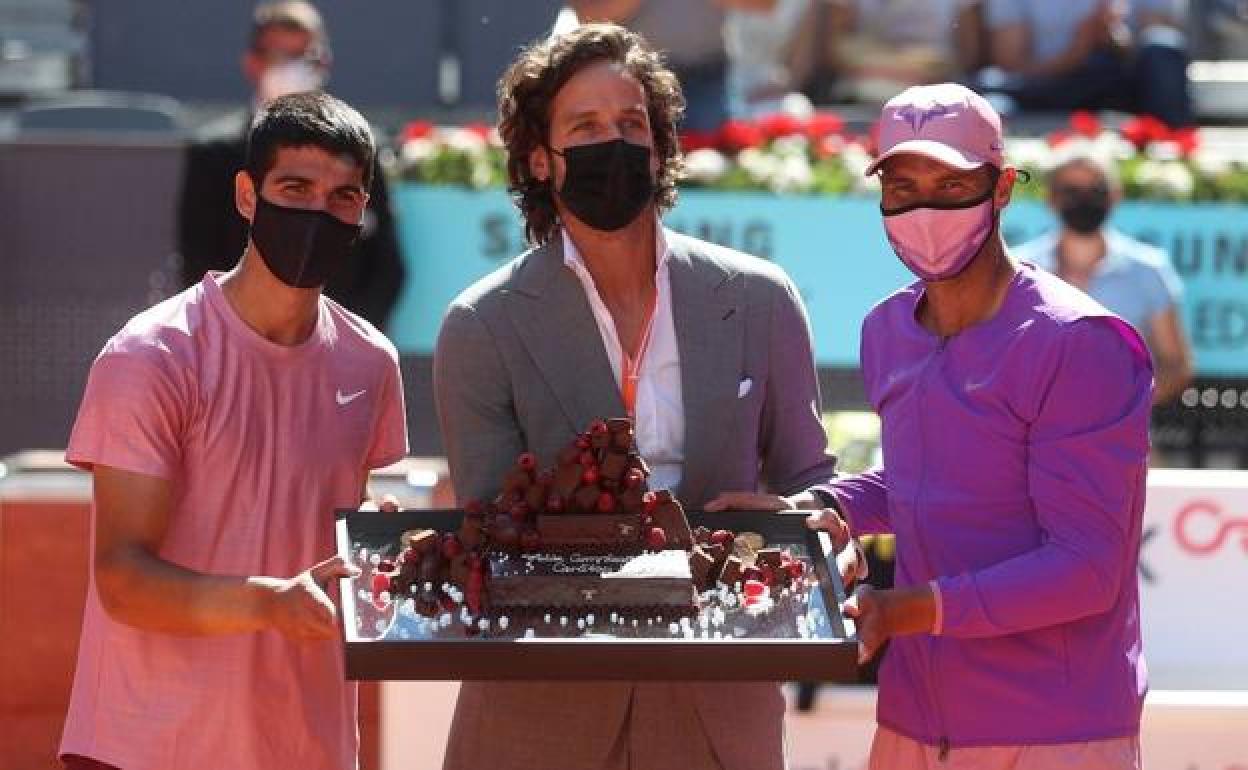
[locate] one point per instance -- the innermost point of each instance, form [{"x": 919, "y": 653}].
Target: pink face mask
[{"x": 938, "y": 243}]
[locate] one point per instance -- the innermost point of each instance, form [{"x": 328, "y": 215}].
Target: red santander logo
[{"x": 1203, "y": 527}]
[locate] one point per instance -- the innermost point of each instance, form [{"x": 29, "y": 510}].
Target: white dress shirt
[{"x": 659, "y": 419}]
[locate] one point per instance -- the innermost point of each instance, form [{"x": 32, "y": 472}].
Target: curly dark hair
[{"x": 528, "y": 88}]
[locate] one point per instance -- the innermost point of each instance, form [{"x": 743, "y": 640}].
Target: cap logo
[{"x": 918, "y": 117}]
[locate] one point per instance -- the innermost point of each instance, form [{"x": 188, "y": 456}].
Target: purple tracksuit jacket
[{"x": 1015, "y": 456}]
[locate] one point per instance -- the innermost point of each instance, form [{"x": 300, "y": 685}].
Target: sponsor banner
[
  {"x": 835, "y": 250},
  {"x": 1193, "y": 574}
]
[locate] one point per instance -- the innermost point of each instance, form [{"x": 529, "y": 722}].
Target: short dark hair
[
  {"x": 528, "y": 88},
  {"x": 1094, "y": 162},
  {"x": 296, "y": 15},
  {"x": 312, "y": 118}
]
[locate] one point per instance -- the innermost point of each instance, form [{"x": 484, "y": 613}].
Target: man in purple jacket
[{"x": 1015, "y": 435}]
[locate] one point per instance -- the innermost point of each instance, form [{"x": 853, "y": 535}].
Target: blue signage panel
[
  {"x": 449, "y": 237},
  {"x": 835, "y": 250}
]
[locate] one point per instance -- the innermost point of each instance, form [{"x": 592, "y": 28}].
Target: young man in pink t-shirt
[{"x": 223, "y": 427}]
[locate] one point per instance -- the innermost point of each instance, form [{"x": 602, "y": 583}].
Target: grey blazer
[{"x": 520, "y": 366}]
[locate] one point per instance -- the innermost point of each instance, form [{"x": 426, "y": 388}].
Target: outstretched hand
[
  {"x": 867, "y": 611},
  {"x": 830, "y": 520},
  {"x": 300, "y": 608},
  {"x": 851, "y": 564},
  {"x": 388, "y": 504},
  {"x": 749, "y": 501},
  {"x": 881, "y": 615}
]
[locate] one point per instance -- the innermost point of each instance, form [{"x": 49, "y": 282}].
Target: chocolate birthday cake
[
  {"x": 582, "y": 541},
  {"x": 585, "y": 533}
]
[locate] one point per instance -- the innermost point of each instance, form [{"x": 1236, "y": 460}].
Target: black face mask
[
  {"x": 302, "y": 247},
  {"x": 1084, "y": 211},
  {"x": 607, "y": 184}
]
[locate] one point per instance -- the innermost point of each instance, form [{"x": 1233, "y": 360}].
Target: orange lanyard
[{"x": 630, "y": 367}]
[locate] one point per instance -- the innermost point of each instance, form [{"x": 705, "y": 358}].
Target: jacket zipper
[{"x": 933, "y": 364}]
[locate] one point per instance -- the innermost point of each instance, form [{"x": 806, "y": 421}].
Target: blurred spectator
[
  {"x": 289, "y": 52},
  {"x": 1130, "y": 278},
  {"x": 1221, "y": 29},
  {"x": 872, "y": 49},
  {"x": 1090, "y": 54},
  {"x": 690, "y": 33},
  {"x": 759, "y": 46}
]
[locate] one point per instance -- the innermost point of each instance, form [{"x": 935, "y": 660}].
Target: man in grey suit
[{"x": 708, "y": 349}]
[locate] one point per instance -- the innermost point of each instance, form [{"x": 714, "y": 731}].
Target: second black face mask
[
  {"x": 302, "y": 247},
  {"x": 607, "y": 184},
  {"x": 1085, "y": 213}
]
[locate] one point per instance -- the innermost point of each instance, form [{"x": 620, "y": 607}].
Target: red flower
[
  {"x": 480, "y": 129},
  {"x": 697, "y": 140},
  {"x": 1143, "y": 130},
  {"x": 824, "y": 124},
  {"x": 829, "y": 147},
  {"x": 1058, "y": 138},
  {"x": 779, "y": 124},
  {"x": 417, "y": 129},
  {"x": 737, "y": 135},
  {"x": 1085, "y": 123},
  {"x": 1188, "y": 139}
]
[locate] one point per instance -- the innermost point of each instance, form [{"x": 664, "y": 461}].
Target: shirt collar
[
  {"x": 1046, "y": 256},
  {"x": 573, "y": 260},
  {"x": 1115, "y": 251}
]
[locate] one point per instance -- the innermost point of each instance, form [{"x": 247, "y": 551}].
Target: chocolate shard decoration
[
  {"x": 563, "y": 531},
  {"x": 421, "y": 540},
  {"x": 772, "y": 557},
  {"x": 702, "y": 567},
  {"x": 614, "y": 466},
  {"x": 731, "y": 573},
  {"x": 718, "y": 553},
  {"x": 637, "y": 461},
  {"x": 671, "y": 517},
  {"x": 621, "y": 431},
  {"x": 701, "y": 535}
]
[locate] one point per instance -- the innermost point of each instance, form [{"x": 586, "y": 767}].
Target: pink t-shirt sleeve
[
  {"x": 130, "y": 418},
  {"x": 389, "y": 440}
]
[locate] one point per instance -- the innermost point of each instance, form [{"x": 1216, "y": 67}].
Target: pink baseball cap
[{"x": 946, "y": 122}]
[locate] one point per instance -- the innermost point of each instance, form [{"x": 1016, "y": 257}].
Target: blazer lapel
[
  {"x": 708, "y": 311},
  {"x": 556, "y": 326}
]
